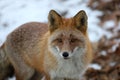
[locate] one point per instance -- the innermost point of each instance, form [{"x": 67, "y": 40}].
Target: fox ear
[
  {"x": 54, "y": 20},
  {"x": 81, "y": 21}
]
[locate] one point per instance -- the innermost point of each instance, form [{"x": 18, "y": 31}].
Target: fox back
[{"x": 59, "y": 50}]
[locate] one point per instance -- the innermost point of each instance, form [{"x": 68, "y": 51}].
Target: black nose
[{"x": 65, "y": 54}]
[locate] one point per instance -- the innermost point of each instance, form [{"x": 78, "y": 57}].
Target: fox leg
[
  {"x": 37, "y": 76},
  {"x": 6, "y": 69},
  {"x": 22, "y": 70}
]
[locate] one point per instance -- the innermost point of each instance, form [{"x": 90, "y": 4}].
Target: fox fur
[
  {"x": 6, "y": 69},
  {"x": 59, "y": 50}
]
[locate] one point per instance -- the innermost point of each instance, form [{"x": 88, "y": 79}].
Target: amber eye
[
  {"x": 73, "y": 40},
  {"x": 59, "y": 40}
]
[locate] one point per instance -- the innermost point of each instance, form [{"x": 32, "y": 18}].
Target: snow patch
[
  {"x": 13, "y": 78},
  {"x": 104, "y": 53},
  {"x": 95, "y": 66},
  {"x": 109, "y": 24}
]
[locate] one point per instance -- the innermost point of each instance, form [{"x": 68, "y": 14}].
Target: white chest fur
[{"x": 70, "y": 68}]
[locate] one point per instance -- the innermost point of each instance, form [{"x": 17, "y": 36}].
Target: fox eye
[
  {"x": 59, "y": 40},
  {"x": 73, "y": 40}
]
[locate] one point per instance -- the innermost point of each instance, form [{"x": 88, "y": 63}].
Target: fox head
[{"x": 68, "y": 37}]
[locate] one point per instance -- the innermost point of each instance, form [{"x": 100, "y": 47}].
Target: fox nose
[{"x": 65, "y": 54}]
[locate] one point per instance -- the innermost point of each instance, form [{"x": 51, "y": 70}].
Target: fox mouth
[{"x": 66, "y": 58}]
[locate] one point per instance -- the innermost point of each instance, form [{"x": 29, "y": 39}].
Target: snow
[
  {"x": 95, "y": 66},
  {"x": 109, "y": 24},
  {"x": 104, "y": 53},
  {"x": 13, "y": 78},
  {"x": 112, "y": 64},
  {"x": 13, "y": 13}
]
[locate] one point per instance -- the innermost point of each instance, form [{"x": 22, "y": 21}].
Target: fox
[{"x": 57, "y": 50}]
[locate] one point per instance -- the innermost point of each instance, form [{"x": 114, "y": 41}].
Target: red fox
[{"x": 59, "y": 50}]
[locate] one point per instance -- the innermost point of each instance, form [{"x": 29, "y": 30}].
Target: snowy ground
[{"x": 13, "y": 13}]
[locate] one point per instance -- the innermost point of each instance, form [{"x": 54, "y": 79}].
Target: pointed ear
[
  {"x": 54, "y": 20},
  {"x": 81, "y": 21}
]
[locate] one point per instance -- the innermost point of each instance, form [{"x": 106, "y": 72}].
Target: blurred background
[{"x": 103, "y": 28}]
